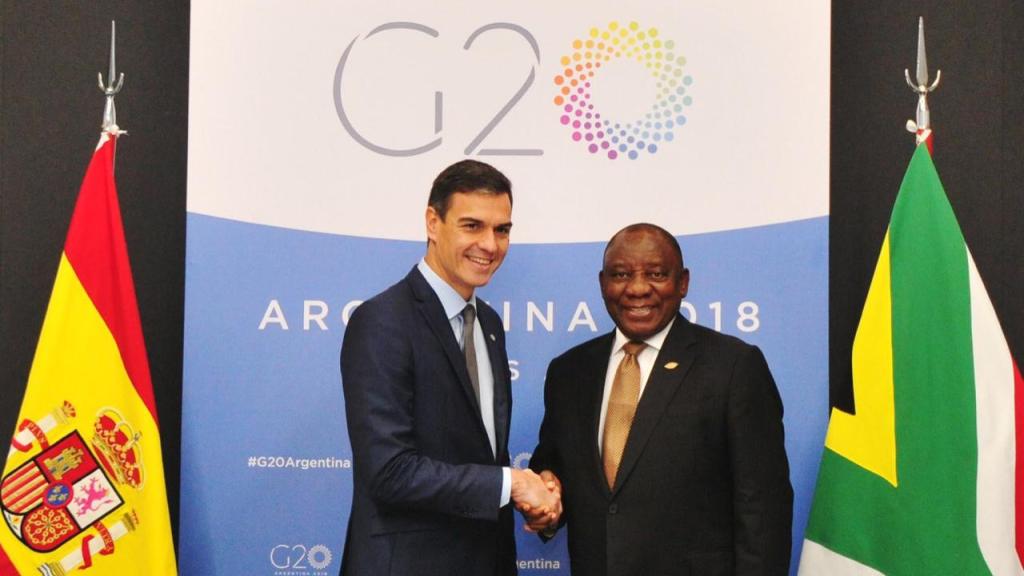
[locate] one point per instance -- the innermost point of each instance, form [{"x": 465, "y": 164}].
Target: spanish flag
[
  {"x": 927, "y": 476},
  {"x": 83, "y": 487}
]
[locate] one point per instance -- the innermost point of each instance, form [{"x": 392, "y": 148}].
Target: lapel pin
[
  {"x": 671, "y": 365},
  {"x": 493, "y": 339}
]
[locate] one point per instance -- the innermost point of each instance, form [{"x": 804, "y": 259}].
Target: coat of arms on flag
[{"x": 71, "y": 485}]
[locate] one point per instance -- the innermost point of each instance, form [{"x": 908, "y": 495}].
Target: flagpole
[
  {"x": 111, "y": 88},
  {"x": 922, "y": 125}
]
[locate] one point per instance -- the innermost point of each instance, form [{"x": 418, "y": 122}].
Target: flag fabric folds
[
  {"x": 925, "y": 477},
  {"x": 83, "y": 486}
]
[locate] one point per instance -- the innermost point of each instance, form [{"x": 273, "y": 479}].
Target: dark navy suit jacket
[
  {"x": 427, "y": 486},
  {"x": 703, "y": 488}
]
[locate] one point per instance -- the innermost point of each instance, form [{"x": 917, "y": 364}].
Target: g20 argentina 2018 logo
[
  {"x": 625, "y": 137},
  {"x": 580, "y": 77}
]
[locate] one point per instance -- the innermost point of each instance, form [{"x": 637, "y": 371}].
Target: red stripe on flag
[
  {"x": 1018, "y": 394},
  {"x": 18, "y": 476},
  {"x": 96, "y": 249},
  {"x": 13, "y": 488},
  {"x": 6, "y": 567}
]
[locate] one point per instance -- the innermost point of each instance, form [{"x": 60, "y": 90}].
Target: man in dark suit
[
  {"x": 667, "y": 436},
  {"x": 428, "y": 402}
]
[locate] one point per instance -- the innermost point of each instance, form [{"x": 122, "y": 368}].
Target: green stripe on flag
[{"x": 926, "y": 525}]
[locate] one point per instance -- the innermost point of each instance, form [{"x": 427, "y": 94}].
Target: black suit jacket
[
  {"x": 703, "y": 487},
  {"x": 427, "y": 486}
]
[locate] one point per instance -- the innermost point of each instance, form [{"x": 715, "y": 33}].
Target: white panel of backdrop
[{"x": 315, "y": 129}]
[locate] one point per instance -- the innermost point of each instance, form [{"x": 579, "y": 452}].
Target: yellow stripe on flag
[
  {"x": 868, "y": 438},
  {"x": 78, "y": 361}
]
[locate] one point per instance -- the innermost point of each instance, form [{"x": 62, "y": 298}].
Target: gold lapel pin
[{"x": 671, "y": 365}]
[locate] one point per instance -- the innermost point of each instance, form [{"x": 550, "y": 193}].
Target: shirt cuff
[{"x": 506, "y": 486}]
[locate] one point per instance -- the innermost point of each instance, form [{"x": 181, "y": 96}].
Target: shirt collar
[
  {"x": 654, "y": 342},
  {"x": 451, "y": 300}
]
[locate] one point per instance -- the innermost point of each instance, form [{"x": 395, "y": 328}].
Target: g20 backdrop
[{"x": 316, "y": 129}]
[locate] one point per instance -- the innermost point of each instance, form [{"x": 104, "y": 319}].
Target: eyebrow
[
  {"x": 471, "y": 220},
  {"x": 624, "y": 266}
]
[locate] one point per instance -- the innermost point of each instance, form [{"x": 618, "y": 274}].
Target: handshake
[{"x": 538, "y": 497}]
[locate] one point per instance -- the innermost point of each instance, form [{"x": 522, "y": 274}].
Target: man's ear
[
  {"x": 433, "y": 222},
  {"x": 684, "y": 282}
]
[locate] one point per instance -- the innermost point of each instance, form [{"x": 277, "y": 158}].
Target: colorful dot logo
[{"x": 617, "y": 137}]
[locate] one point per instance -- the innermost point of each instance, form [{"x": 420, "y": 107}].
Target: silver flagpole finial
[
  {"x": 922, "y": 124},
  {"x": 112, "y": 86}
]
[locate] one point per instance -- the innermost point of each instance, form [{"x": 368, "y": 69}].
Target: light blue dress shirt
[{"x": 453, "y": 305}]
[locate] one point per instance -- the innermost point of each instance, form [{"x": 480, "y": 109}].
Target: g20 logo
[
  {"x": 522, "y": 460},
  {"x": 575, "y": 83},
  {"x": 299, "y": 557},
  {"x": 474, "y": 145},
  {"x": 627, "y": 137}
]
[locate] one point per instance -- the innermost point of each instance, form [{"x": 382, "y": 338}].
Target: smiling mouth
[
  {"x": 639, "y": 311},
  {"x": 485, "y": 262}
]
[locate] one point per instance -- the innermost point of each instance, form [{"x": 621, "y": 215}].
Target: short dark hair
[
  {"x": 466, "y": 176},
  {"x": 647, "y": 227}
]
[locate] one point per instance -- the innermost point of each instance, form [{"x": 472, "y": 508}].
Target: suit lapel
[
  {"x": 499, "y": 363},
  {"x": 670, "y": 368},
  {"x": 591, "y": 392},
  {"x": 430, "y": 308}
]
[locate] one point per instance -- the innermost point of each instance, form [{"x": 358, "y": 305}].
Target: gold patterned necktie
[
  {"x": 469, "y": 347},
  {"x": 621, "y": 409}
]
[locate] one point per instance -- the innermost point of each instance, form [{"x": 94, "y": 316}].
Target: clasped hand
[{"x": 538, "y": 497}]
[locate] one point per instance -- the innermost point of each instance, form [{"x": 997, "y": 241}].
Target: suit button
[{"x": 613, "y": 509}]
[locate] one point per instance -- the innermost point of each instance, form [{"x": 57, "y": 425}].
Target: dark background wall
[
  {"x": 976, "y": 116},
  {"x": 50, "y": 112},
  {"x": 50, "y": 115}
]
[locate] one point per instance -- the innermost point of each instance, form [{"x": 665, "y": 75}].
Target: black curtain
[
  {"x": 976, "y": 118},
  {"x": 51, "y": 110}
]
